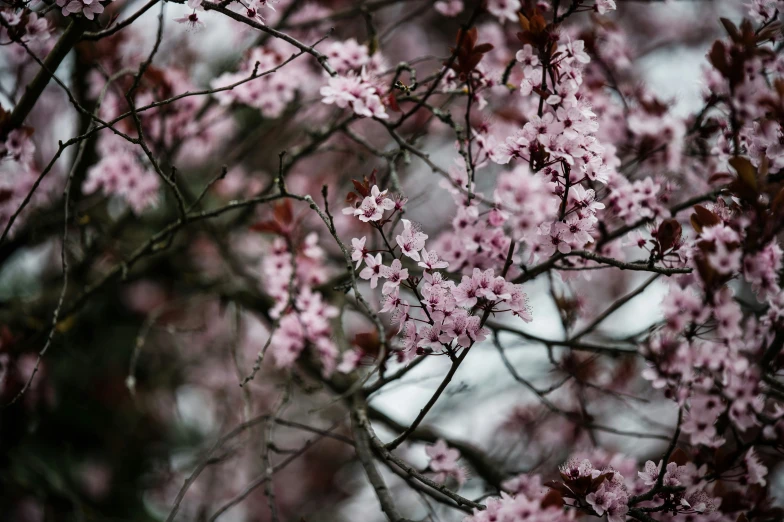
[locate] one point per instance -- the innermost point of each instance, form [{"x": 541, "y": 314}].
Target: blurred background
[{"x": 135, "y": 389}]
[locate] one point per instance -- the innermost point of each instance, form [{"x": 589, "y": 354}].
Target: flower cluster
[
  {"x": 446, "y": 309},
  {"x": 291, "y": 271},
  {"x": 88, "y": 8},
  {"x": 18, "y": 174},
  {"x": 270, "y": 94},
  {"x": 351, "y": 56},
  {"x": 536, "y": 159},
  {"x": 527, "y": 500},
  {"x": 121, "y": 173},
  {"x": 443, "y": 462},
  {"x": 603, "y": 490},
  {"x": 355, "y": 91},
  {"x": 27, "y": 27}
]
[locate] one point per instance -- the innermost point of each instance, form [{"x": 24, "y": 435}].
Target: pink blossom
[
  {"x": 431, "y": 261},
  {"x": 651, "y": 473},
  {"x": 603, "y": 6},
  {"x": 394, "y": 274},
  {"x": 601, "y": 500},
  {"x": 755, "y": 469},
  {"x": 358, "y": 251},
  {"x": 369, "y": 210},
  {"x": 192, "y": 20},
  {"x": 373, "y": 270},
  {"x": 449, "y": 7},
  {"x": 504, "y": 9},
  {"x": 411, "y": 240},
  {"x": 355, "y": 92}
]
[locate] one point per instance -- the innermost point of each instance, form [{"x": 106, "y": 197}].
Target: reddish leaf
[
  {"x": 266, "y": 227},
  {"x": 746, "y": 171},
  {"x": 560, "y": 487},
  {"x": 538, "y": 23},
  {"x": 392, "y": 102},
  {"x": 668, "y": 234},
  {"x": 703, "y": 218},
  {"x": 525, "y": 25},
  {"x": 483, "y": 48},
  {"x": 552, "y": 499},
  {"x": 679, "y": 457},
  {"x": 283, "y": 213},
  {"x": 695, "y": 224},
  {"x": 718, "y": 57},
  {"x": 352, "y": 198},
  {"x": 362, "y": 188},
  {"x": 731, "y": 29}
]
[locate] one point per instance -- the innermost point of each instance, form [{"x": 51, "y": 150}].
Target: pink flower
[
  {"x": 449, "y": 7},
  {"x": 703, "y": 414},
  {"x": 552, "y": 239},
  {"x": 575, "y": 468},
  {"x": 411, "y": 240},
  {"x": 504, "y": 9},
  {"x": 617, "y": 512},
  {"x": 355, "y": 92},
  {"x": 429, "y": 337},
  {"x": 373, "y": 269},
  {"x": 91, "y": 8},
  {"x": 466, "y": 292},
  {"x": 601, "y": 500},
  {"x": 381, "y": 198},
  {"x": 358, "y": 251},
  {"x": 603, "y": 6},
  {"x": 442, "y": 457},
  {"x": 37, "y": 29},
  {"x": 575, "y": 51},
  {"x": 19, "y": 146},
  {"x": 350, "y": 361},
  {"x": 392, "y": 301},
  {"x": 254, "y": 8},
  {"x": 347, "y": 56},
  {"x": 369, "y": 210},
  {"x": 430, "y": 260},
  {"x": 394, "y": 274},
  {"x": 443, "y": 461},
  {"x": 756, "y": 471},
  {"x": 651, "y": 473},
  {"x": 192, "y": 21}
]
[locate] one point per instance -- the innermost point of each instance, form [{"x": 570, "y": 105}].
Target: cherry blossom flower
[
  {"x": 449, "y": 7},
  {"x": 756, "y": 471},
  {"x": 601, "y": 500},
  {"x": 651, "y": 473},
  {"x": 411, "y": 240},
  {"x": 358, "y": 251},
  {"x": 88, "y": 8},
  {"x": 443, "y": 461},
  {"x": 192, "y": 20},
  {"x": 431, "y": 261},
  {"x": 394, "y": 274},
  {"x": 369, "y": 210},
  {"x": 504, "y": 9},
  {"x": 355, "y": 92},
  {"x": 373, "y": 270},
  {"x": 603, "y": 6}
]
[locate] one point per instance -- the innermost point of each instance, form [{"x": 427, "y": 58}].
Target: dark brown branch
[
  {"x": 365, "y": 455},
  {"x": 36, "y": 87}
]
